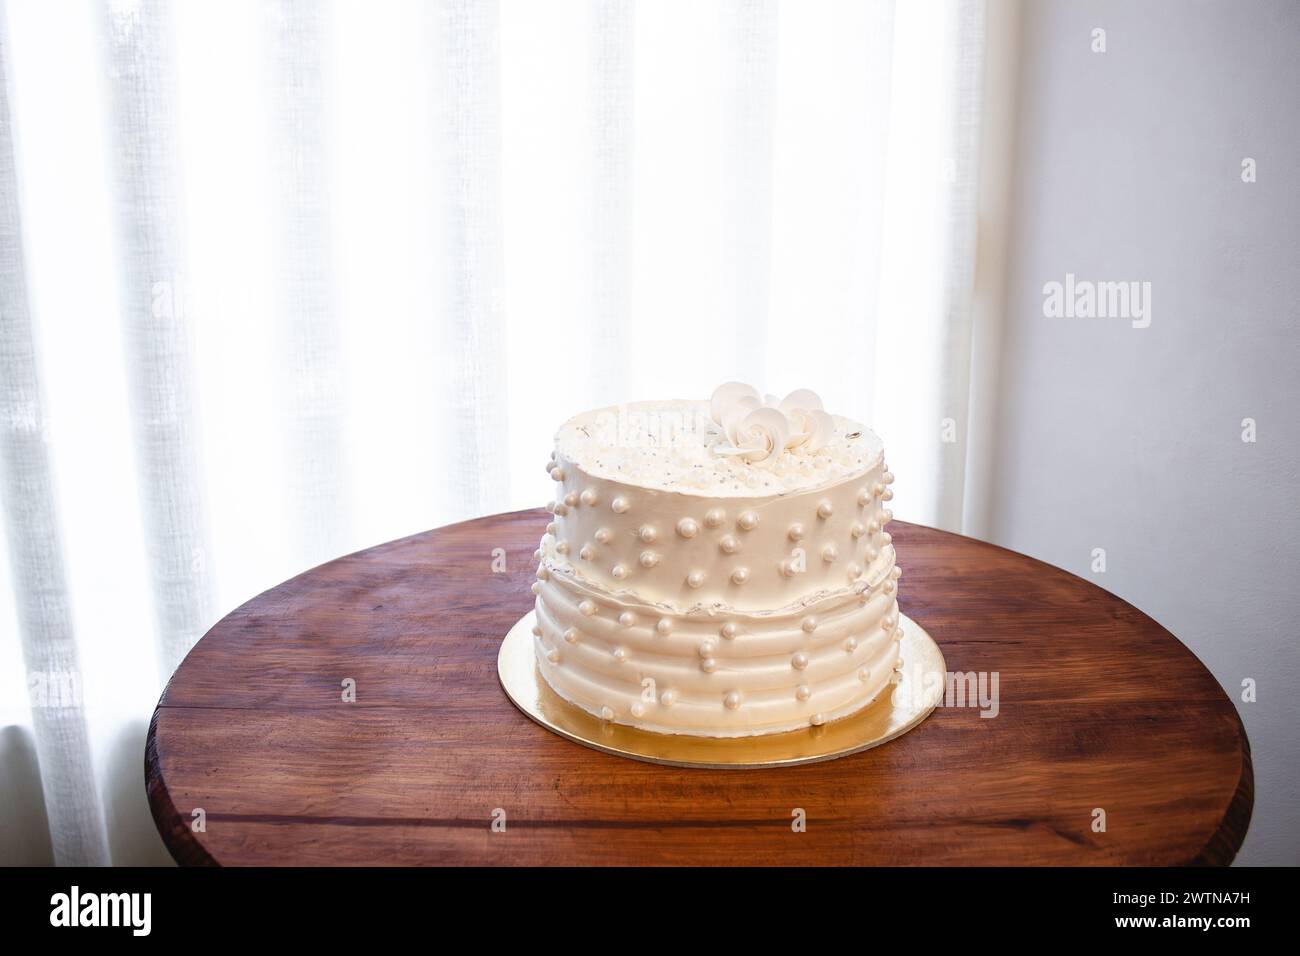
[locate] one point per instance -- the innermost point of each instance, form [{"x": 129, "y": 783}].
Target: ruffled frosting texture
[{"x": 760, "y": 428}]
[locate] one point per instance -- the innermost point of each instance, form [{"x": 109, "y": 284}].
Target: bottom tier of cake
[{"x": 716, "y": 672}]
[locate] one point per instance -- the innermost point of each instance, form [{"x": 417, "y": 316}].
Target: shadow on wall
[
  {"x": 133, "y": 839},
  {"x": 24, "y": 827}
]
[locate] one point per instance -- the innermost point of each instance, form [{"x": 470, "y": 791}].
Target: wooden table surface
[{"x": 1100, "y": 708}]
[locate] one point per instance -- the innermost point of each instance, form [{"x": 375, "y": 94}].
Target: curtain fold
[
  {"x": 312, "y": 385},
  {"x": 749, "y": 104},
  {"x": 72, "y": 807},
  {"x": 150, "y": 233},
  {"x": 922, "y": 361},
  {"x": 960, "y": 227},
  {"x": 610, "y": 122},
  {"x": 423, "y": 234},
  {"x": 472, "y": 394}
]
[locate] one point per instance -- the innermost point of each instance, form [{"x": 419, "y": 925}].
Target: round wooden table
[{"x": 1100, "y": 711}]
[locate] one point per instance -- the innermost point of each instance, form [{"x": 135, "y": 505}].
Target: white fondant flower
[
  {"x": 732, "y": 393},
  {"x": 759, "y": 429},
  {"x": 757, "y": 437}
]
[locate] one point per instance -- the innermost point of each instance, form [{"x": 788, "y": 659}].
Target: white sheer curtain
[{"x": 279, "y": 280}]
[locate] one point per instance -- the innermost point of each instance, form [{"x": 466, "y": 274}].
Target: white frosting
[
  {"x": 685, "y": 591},
  {"x": 673, "y": 446}
]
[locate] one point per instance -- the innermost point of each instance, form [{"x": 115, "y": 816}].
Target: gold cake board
[{"x": 918, "y": 691}]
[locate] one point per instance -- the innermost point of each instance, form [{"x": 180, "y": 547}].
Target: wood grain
[{"x": 1100, "y": 707}]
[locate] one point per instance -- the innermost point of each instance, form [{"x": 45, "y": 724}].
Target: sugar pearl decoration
[
  {"x": 589, "y": 497},
  {"x": 557, "y": 473},
  {"x": 553, "y": 656},
  {"x": 887, "y": 495},
  {"x": 830, "y": 553},
  {"x": 809, "y": 624},
  {"x": 618, "y": 571},
  {"x": 729, "y": 544},
  {"x": 864, "y": 498},
  {"x": 817, "y": 719},
  {"x": 887, "y": 477},
  {"x": 588, "y": 608},
  {"x": 799, "y": 661},
  {"x": 707, "y": 649},
  {"x": 850, "y": 644},
  {"x": 888, "y": 587},
  {"x": 627, "y": 619},
  {"x": 885, "y": 538},
  {"x": 877, "y": 489},
  {"x": 708, "y": 665},
  {"x": 873, "y": 526},
  {"x": 886, "y": 516},
  {"x": 620, "y": 505},
  {"x": 536, "y": 588},
  {"x": 825, "y": 509},
  {"x": 550, "y": 528},
  {"x": 603, "y": 536},
  {"x": 896, "y": 572},
  {"x": 796, "y": 532},
  {"x": 637, "y": 709},
  {"x": 789, "y": 568},
  {"x": 855, "y": 572},
  {"x": 587, "y": 552},
  {"x": 620, "y": 654},
  {"x": 732, "y": 700},
  {"x": 562, "y": 547},
  {"x": 668, "y": 697},
  {"x": 740, "y": 575},
  {"x": 571, "y": 499},
  {"x": 543, "y": 574},
  {"x": 664, "y": 625},
  {"x": 695, "y": 579},
  {"x": 748, "y": 520},
  {"x": 646, "y": 533},
  {"x": 864, "y": 674},
  {"x": 802, "y": 692},
  {"x": 714, "y": 518},
  {"x": 857, "y": 530},
  {"x": 607, "y": 713},
  {"x": 571, "y": 635},
  {"x": 728, "y": 630},
  {"x": 537, "y": 631},
  {"x": 688, "y": 528},
  {"x": 561, "y": 509},
  {"x": 648, "y": 559}
]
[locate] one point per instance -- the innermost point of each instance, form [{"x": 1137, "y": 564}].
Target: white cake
[{"x": 718, "y": 568}]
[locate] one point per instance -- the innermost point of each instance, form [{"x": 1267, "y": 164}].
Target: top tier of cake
[
  {"x": 668, "y": 446},
  {"x": 647, "y": 506}
]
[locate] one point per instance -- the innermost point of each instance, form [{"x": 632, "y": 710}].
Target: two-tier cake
[{"x": 719, "y": 568}]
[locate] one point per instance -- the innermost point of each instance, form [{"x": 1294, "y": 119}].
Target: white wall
[{"x": 1128, "y": 167}]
